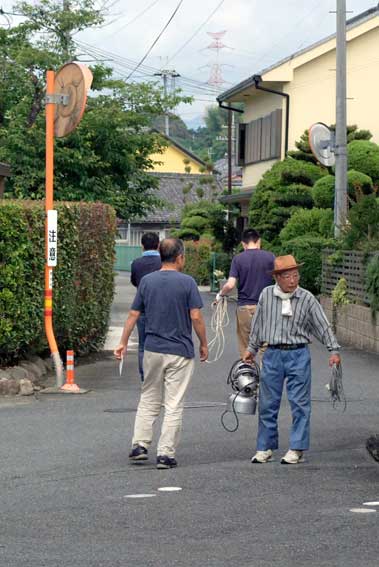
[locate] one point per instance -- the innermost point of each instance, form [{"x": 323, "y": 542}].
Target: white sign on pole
[{"x": 52, "y": 237}]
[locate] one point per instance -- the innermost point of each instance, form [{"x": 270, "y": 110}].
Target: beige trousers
[
  {"x": 245, "y": 314},
  {"x": 167, "y": 377}
]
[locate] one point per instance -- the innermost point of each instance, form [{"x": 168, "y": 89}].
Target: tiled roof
[{"x": 171, "y": 193}]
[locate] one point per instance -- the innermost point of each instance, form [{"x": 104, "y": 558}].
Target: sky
[{"x": 258, "y": 33}]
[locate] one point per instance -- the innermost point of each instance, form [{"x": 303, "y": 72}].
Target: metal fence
[
  {"x": 125, "y": 254},
  {"x": 351, "y": 266}
]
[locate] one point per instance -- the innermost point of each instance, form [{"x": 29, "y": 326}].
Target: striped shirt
[{"x": 308, "y": 318}]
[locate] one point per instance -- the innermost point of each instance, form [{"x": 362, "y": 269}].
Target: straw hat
[{"x": 285, "y": 263}]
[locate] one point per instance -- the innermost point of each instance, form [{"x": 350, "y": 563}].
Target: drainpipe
[
  {"x": 257, "y": 79},
  {"x": 230, "y": 109}
]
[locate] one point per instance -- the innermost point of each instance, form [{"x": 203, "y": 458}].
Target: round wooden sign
[{"x": 73, "y": 79}]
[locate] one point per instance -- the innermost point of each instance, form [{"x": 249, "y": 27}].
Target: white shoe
[
  {"x": 292, "y": 457},
  {"x": 262, "y": 456}
]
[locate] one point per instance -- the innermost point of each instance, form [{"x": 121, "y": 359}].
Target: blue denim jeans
[
  {"x": 295, "y": 365},
  {"x": 141, "y": 343}
]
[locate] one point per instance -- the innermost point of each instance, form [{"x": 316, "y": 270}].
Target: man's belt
[{"x": 288, "y": 347}]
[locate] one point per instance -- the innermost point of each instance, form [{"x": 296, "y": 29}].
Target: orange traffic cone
[{"x": 70, "y": 385}]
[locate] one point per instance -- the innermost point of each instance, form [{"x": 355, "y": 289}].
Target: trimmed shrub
[
  {"x": 186, "y": 234},
  {"x": 195, "y": 222},
  {"x": 358, "y": 182},
  {"x": 291, "y": 171},
  {"x": 372, "y": 284},
  {"x": 323, "y": 192},
  {"x": 305, "y": 222},
  {"x": 364, "y": 156},
  {"x": 83, "y": 280},
  {"x": 294, "y": 195},
  {"x": 280, "y": 190},
  {"x": 364, "y": 224},
  {"x": 198, "y": 261}
]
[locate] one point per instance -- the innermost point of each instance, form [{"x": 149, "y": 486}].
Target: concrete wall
[{"x": 355, "y": 326}]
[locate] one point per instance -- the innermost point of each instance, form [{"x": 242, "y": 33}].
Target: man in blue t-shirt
[
  {"x": 149, "y": 262},
  {"x": 252, "y": 270},
  {"x": 171, "y": 302}
]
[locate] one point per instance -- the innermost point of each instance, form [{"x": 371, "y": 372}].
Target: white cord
[{"x": 220, "y": 320}]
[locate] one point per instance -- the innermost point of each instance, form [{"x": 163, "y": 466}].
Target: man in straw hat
[{"x": 286, "y": 317}]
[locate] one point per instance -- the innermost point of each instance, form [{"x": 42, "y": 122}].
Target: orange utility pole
[
  {"x": 66, "y": 95},
  {"x": 50, "y": 231}
]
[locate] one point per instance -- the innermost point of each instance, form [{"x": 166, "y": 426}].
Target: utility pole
[
  {"x": 230, "y": 145},
  {"x": 66, "y": 33},
  {"x": 165, "y": 74},
  {"x": 340, "y": 195}
]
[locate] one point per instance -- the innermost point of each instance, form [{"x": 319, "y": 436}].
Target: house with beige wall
[{"x": 304, "y": 86}]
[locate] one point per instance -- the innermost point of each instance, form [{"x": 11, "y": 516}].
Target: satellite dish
[
  {"x": 73, "y": 80},
  {"x": 321, "y": 141}
]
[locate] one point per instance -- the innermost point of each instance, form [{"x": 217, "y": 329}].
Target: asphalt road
[{"x": 66, "y": 481}]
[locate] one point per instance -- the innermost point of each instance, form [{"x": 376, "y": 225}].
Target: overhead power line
[
  {"x": 130, "y": 22},
  {"x": 197, "y": 31},
  {"x": 144, "y": 70},
  {"x": 156, "y": 40}
]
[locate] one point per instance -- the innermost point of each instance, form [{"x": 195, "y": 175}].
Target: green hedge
[
  {"x": 198, "y": 261},
  {"x": 83, "y": 280}
]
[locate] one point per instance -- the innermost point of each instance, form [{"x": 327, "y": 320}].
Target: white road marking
[
  {"x": 139, "y": 495},
  {"x": 370, "y": 503},
  {"x": 362, "y": 510},
  {"x": 169, "y": 489}
]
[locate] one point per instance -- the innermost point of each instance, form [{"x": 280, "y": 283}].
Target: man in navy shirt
[
  {"x": 149, "y": 262},
  {"x": 252, "y": 270},
  {"x": 171, "y": 302}
]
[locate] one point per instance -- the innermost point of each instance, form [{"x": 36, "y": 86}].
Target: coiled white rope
[
  {"x": 335, "y": 388},
  {"x": 220, "y": 320}
]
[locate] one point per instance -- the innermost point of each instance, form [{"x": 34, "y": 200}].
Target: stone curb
[{"x": 30, "y": 376}]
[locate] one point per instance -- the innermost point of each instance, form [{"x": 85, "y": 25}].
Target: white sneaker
[
  {"x": 262, "y": 456},
  {"x": 292, "y": 457}
]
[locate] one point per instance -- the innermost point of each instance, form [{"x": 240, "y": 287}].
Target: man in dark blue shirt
[
  {"x": 148, "y": 263},
  {"x": 252, "y": 270},
  {"x": 171, "y": 302}
]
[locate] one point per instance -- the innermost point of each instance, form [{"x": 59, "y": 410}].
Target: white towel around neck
[{"x": 286, "y": 300}]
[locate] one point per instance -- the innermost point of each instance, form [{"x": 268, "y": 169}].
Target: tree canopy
[{"x": 107, "y": 157}]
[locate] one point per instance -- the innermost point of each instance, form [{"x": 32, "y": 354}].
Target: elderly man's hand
[
  {"x": 334, "y": 359},
  {"x": 248, "y": 356}
]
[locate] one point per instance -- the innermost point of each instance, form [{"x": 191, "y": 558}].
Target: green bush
[
  {"x": 295, "y": 194},
  {"x": 363, "y": 156},
  {"x": 323, "y": 189},
  {"x": 364, "y": 224},
  {"x": 372, "y": 284},
  {"x": 195, "y": 222},
  {"x": 323, "y": 192},
  {"x": 83, "y": 280},
  {"x": 186, "y": 234},
  {"x": 358, "y": 182},
  {"x": 308, "y": 249},
  {"x": 305, "y": 222},
  {"x": 198, "y": 261},
  {"x": 291, "y": 171},
  {"x": 282, "y": 188}
]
